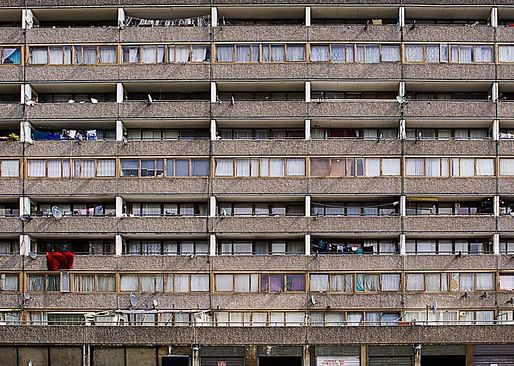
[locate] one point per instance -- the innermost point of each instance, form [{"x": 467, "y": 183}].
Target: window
[
  {"x": 506, "y": 166},
  {"x": 282, "y": 282},
  {"x": 264, "y": 167},
  {"x": 10, "y": 55},
  {"x": 442, "y": 53},
  {"x": 236, "y": 282},
  {"x": 9, "y": 282},
  {"x": 44, "y": 282},
  {"x": 167, "y": 209},
  {"x": 82, "y": 168},
  {"x": 448, "y": 246},
  {"x": 166, "y": 247},
  {"x": 164, "y": 167},
  {"x": 9, "y": 168},
  {"x": 93, "y": 282},
  {"x": 506, "y": 53},
  {"x": 443, "y": 167},
  {"x": 261, "y": 247},
  {"x": 354, "y": 167},
  {"x": 349, "y": 53},
  {"x": 507, "y": 281},
  {"x": 260, "y": 209}
]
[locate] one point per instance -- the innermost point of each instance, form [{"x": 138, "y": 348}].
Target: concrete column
[
  {"x": 26, "y": 132},
  {"x": 403, "y": 249},
  {"x": 401, "y": 16},
  {"x": 470, "y": 351},
  {"x": 364, "y": 355},
  {"x": 212, "y": 206},
  {"x": 121, "y": 18},
  {"x": 403, "y": 206},
  {"x": 306, "y": 355},
  {"x": 118, "y": 242},
  {"x": 214, "y": 130},
  {"x": 26, "y": 94},
  {"x": 214, "y": 16},
  {"x": 403, "y": 130},
  {"x": 119, "y": 207},
  {"x": 212, "y": 244},
  {"x": 496, "y": 130},
  {"x": 496, "y": 206},
  {"x": 401, "y": 89},
  {"x": 308, "y": 16},
  {"x": 308, "y": 91},
  {"x": 120, "y": 93},
  {"x": 25, "y": 245},
  {"x": 307, "y": 128},
  {"x": 251, "y": 355},
  {"x": 25, "y": 208},
  {"x": 307, "y": 206},
  {"x": 496, "y": 244},
  {"x": 195, "y": 356},
  {"x": 214, "y": 92},
  {"x": 307, "y": 244},
  {"x": 494, "y": 17},
  {"x": 120, "y": 131},
  {"x": 417, "y": 355},
  {"x": 27, "y": 19},
  {"x": 495, "y": 92}
]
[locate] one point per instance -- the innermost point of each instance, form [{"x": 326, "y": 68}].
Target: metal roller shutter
[
  {"x": 338, "y": 361},
  {"x": 500, "y": 355},
  {"x": 390, "y": 361},
  {"x": 390, "y": 356},
  {"x": 447, "y": 350},
  {"x": 222, "y": 361}
]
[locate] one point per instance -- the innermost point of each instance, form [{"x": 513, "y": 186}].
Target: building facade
[{"x": 252, "y": 182}]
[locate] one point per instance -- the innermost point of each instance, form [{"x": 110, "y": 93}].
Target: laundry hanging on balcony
[{"x": 59, "y": 260}]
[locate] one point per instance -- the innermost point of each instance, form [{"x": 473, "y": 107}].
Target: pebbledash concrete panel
[
  {"x": 444, "y": 33},
  {"x": 266, "y": 33},
  {"x": 64, "y": 35},
  {"x": 485, "y": 147},
  {"x": 354, "y": 33}
]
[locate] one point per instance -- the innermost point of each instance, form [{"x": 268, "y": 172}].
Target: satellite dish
[
  {"x": 57, "y": 213},
  {"x": 133, "y": 299},
  {"x": 400, "y": 99}
]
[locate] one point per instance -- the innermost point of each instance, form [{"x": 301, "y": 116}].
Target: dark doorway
[
  {"x": 443, "y": 360},
  {"x": 280, "y": 361}
]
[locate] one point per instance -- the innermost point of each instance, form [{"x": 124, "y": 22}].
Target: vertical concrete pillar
[
  {"x": 212, "y": 244},
  {"x": 401, "y": 16},
  {"x": 251, "y": 355},
  {"x": 307, "y": 128},
  {"x": 307, "y": 206},
  {"x": 24, "y": 245},
  {"x": 119, "y": 207},
  {"x": 308, "y": 16},
  {"x": 120, "y": 131},
  {"x": 306, "y": 355},
  {"x": 118, "y": 242},
  {"x": 25, "y": 208},
  {"x": 496, "y": 130},
  {"x": 401, "y": 89},
  {"x": 212, "y": 206},
  {"x": 308, "y": 91},
  {"x": 496, "y": 206},
  {"x": 214, "y": 16},
  {"x": 494, "y": 17},
  {"x": 403, "y": 206},
  {"x": 214, "y": 92},
  {"x": 120, "y": 93},
  {"x": 403, "y": 130},
  {"x": 213, "y": 130},
  {"x": 364, "y": 355},
  {"x": 496, "y": 243},
  {"x": 27, "y": 19},
  {"x": 403, "y": 249},
  {"x": 470, "y": 350},
  {"x": 495, "y": 92},
  {"x": 307, "y": 244},
  {"x": 26, "y": 132},
  {"x": 26, "y": 94},
  {"x": 417, "y": 355},
  {"x": 121, "y": 18},
  {"x": 195, "y": 359}
]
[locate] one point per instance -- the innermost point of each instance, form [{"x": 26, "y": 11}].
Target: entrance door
[{"x": 442, "y": 360}]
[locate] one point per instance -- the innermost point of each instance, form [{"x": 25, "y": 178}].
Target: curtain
[
  {"x": 259, "y": 319},
  {"x": 295, "y": 318},
  {"x": 225, "y": 53},
  {"x": 277, "y": 319},
  {"x": 354, "y": 318},
  {"x": 372, "y": 167},
  {"x": 56, "y": 55},
  {"x": 414, "y": 53},
  {"x": 484, "y": 316},
  {"x": 506, "y": 281},
  {"x": 334, "y": 319},
  {"x": 359, "y": 282},
  {"x": 390, "y": 53},
  {"x": 390, "y": 166},
  {"x": 320, "y": 167},
  {"x": 89, "y": 55},
  {"x": 88, "y": 169},
  {"x": 128, "y": 282},
  {"x": 372, "y": 54},
  {"x": 390, "y": 282},
  {"x": 339, "y": 54},
  {"x": 485, "y": 166},
  {"x": 83, "y": 283},
  {"x": 295, "y": 282},
  {"x": 106, "y": 168},
  {"x": 108, "y": 55},
  {"x": 433, "y": 282},
  {"x": 151, "y": 283},
  {"x": 295, "y": 167},
  {"x": 506, "y": 53},
  {"x": 54, "y": 168},
  {"x": 242, "y": 247},
  {"x": 105, "y": 283},
  {"x": 242, "y": 167},
  {"x": 465, "y": 54},
  {"x": 483, "y": 54},
  {"x": 149, "y": 54},
  {"x": 224, "y": 168},
  {"x": 199, "y": 282},
  {"x": 36, "y": 168},
  {"x": 466, "y": 282},
  {"x": 337, "y": 283},
  {"x": 9, "y": 282},
  {"x": 199, "y": 54},
  {"x": 415, "y": 282},
  {"x": 319, "y": 282},
  {"x": 415, "y": 167},
  {"x": 467, "y": 167},
  {"x": 432, "y": 54},
  {"x": 264, "y": 162},
  {"x": 360, "y": 55},
  {"x": 241, "y": 283},
  {"x": 433, "y": 167},
  {"x": 11, "y": 168},
  {"x": 372, "y": 318},
  {"x": 277, "y": 167},
  {"x": 276, "y": 283},
  {"x": 506, "y": 166},
  {"x": 182, "y": 54},
  {"x": 278, "y": 53},
  {"x": 38, "y": 55},
  {"x": 131, "y": 55},
  {"x": 319, "y": 53},
  {"x": 150, "y": 209},
  {"x": 181, "y": 283},
  {"x": 243, "y": 53},
  {"x": 316, "y": 319},
  {"x": 484, "y": 281},
  {"x": 295, "y": 52},
  {"x": 182, "y": 319},
  {"x": 372, "y": 282},
  {"x": 224, "y": 283}
]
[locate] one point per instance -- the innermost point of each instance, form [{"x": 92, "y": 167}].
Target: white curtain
[
  {"x": 372, "y": 167},
  {"x": 465, "y": 54},
  {"x": 88, "y": 169},
  {"x": 484, "y": 281},
  {"x": 484, "y": 316},
  {"x": 264, "y": 167},
  {"x": 242, "y": 283},
  {"x": 415, "y": 282},
  {"x": 390, "y": 53},
  {"x": 151, "y": 283},
  {"x": 414, "y": 53},
  {"x": 149, "y": 54},
  {"x": 89, "y": 55},
  {"x": 319, "y": 53},
  {"x": 485, "y": 166},
  {"x": 182, "y": 54},
  {"x": 276, "y": 167},
  {"x": 295, "y": 167},
  {"x": 83, "y": 283},
  {"x": 467, "y": 167},
  {"x": 11, "y": 168},
  {"x": 506, "y": 166},
  {"x": 128, "y": 282},
  {"x": 433, "y": 282},
  {"x": 36, "y": 168},
  {"x": 259, "y": 319},
  {"x": 56, "y": 55},
  {"x": 243, "y": 53},
  {"x": 277, "y": 319},
  {"x": 372, "y": 54},
  {"x": 108, "y": 55},
  {"x": 199, "y": 53},
  {"x": 38, "y": 55},
  {"x": 354, "y": 318},
  {"x": 390, "y": 166},
  {"x": 415, "y": 167},
  {"x": 278, "y": 53},
  {"x": 295, "y": 53},
  {"x": 466, "y": 282},
  {"x": 224, "y": 282},
  {"x": 334, "y": 319},
  {"x": 54, "y": 168},
  {"x": 181, "y": 283},
  {"x": 9, "y": 282},
  {"x": 295, "y": 318},
  {"x": 199, "y": 282},
  {"x": 132, "y": 54},
  {"x": 106, "y": 168},
  {"x": 506, "y": 53},
  {"x": 483, "y": 53},
  {"x": 319, "y": 282},
  {"x": 224, "y": 168},
  {"x": 242, "y": 167},
  {"x": 433, "y": 167},
  {"x": 373, "y": 318},
  {"x": 339, "y": 54},
  {"x": 151, "y": 209},
  {"x": 225, "y": 53},
  {"x": 432, "y": 54},
  {"x": 390, "y": 282},
  {"x": 105, "y": 283}
]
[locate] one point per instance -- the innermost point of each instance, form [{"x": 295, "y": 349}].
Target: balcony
[
  {"x": 264, "y": 71},
  {"x": 243, "y": 225},
  {"x": 76, "y": 111},
  {"x": 360, "y": 108},
  {"x": 506, "y": 185},
  {"x": 505, "y": 223},
  {"x": 387, "y": 71},
  {"x": 263, "y": 33},
  {"x": 222, "y": 186},
  {"x": 11, "y": 35},
  {"x": 70, "y": 187},
  {"x": 420, "y": 262},
  {"x": 162, "y": 109},
  {"x": 164, "y": 72},
  {"x": 353, "y": 224},
  {"x": 259, "y": 109},
  {"x": 465, "y": 224},
  {"x": 449, "y": 33},
  {"x": 256, "y": 147},
  {"x": 505, "y": 71},
  {"x": 11, "y": 148},
  {"x": 453, "y": 185},
  {"x": 354, "y": 147},
  {"x": 352, "y": 33},
  {"x": 449, "y": 108},
  {"x": 162, "y": 225},
  {"x": 198, "y": 186},
  {"x": 450, "y": 147},
  {"x": 36, "y": 73},
  {"x": 506, "y": 109},
  {"x": 67, "y": 148},
  {"x": 10, "y": 186},
  {"x": 165, "y": 148},
  {"x": 378, "y": 185},
  {"x": 160, "y": 34},
  {"x": 450, "y": 71},
  {"x": 61, "y": 35},
  {"x": 11, "y": 110},
  {"x": 505, "y": 34},
  {"x": 10, "y": 225},
  {"x": 73, "y": 224},
  {"x": 11, "y": 73}
]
